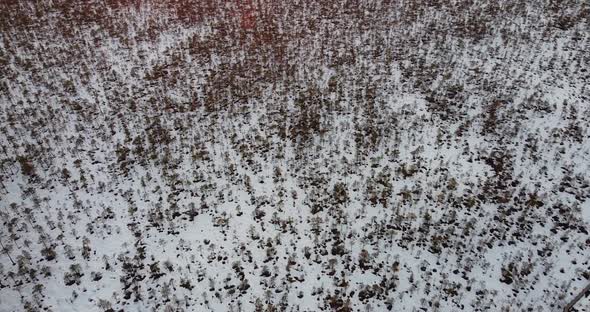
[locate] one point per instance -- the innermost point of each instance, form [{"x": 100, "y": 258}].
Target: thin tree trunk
[
  {"x": 7, "y": 253},
  {"x": 571, "y": 304}
]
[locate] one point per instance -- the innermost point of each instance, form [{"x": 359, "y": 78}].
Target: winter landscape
[{"x": 270, "y": 155}]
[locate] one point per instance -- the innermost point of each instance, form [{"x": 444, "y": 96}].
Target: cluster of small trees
[{"x": 270, "y": 146}]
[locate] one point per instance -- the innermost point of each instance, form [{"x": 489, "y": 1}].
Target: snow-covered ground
[{"x": 347, "y": 156}]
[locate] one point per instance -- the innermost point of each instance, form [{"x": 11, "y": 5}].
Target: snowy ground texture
[{"x": 270, "y": 155}]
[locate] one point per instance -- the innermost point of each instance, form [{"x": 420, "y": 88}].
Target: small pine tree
[{"x": 26, "y": 166}]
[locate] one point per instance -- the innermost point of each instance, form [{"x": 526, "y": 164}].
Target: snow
[{"x": 214, "y": 153}]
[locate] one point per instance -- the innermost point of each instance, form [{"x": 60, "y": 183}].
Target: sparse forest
[{"x": 265, "y": 155}]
